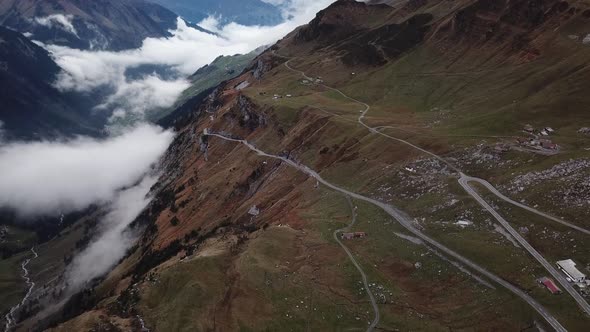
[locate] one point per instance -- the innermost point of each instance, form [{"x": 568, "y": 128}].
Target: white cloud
[
  {"x": 59, "y": 21},
  {"x": 148, "y": 93},
  {"x": 299, "y": 8},
  {"x": 184, "y": 52},
  {"x": 211, "y": 23},
  {"x": 102, "y": 254},
  {"x": 46, "y": 178}
]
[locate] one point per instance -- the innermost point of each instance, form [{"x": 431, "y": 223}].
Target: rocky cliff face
[{"x": 235, "y": 239}]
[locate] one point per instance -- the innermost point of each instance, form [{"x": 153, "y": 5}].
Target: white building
[{"x": 569, "y": 268}]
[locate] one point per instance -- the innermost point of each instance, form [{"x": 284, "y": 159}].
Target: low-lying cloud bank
[
  {"x": 187, "y": 50},
  {"x": 145, "y": 94},
  {"x": 102, "y": 254},
  {"x": 48, "y": 178}
]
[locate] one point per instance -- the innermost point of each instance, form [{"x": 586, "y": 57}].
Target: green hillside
[{"x": 221, "y": 69}]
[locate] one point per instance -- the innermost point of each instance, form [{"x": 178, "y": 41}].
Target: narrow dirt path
[{"x": 375, "y": 321}]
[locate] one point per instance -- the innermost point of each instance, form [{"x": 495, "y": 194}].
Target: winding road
[
  {"x": 407, "y": 223},
  {"x": 375, "y": 321},
  {"x": 10, "y": 320},
  {"x": 488, "y": 185},
  {"x": 373, "y": 130},
  {"x": 463, "y": 181}
]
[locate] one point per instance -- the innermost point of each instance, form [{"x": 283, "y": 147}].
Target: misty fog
[
  {"x": 100, "y": 255},
  {"x": 48, "y": 178}
]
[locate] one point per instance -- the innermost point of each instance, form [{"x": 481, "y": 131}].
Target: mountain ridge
[
  {"x": 32, "y": 106},
  {"x": 102, "y": 24}
]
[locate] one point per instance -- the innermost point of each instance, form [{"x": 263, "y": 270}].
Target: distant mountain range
[
  {"x": 97, "y": 24},
  {"x": 246, "y": 12},
  {"x": 31, "y": 106}
]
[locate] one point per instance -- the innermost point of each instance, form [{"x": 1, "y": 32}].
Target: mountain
[
  {"x": 382, "y": 166},
  {"x": 97, "y": 24},
  {"x": 31, "y": 106},
  {"x": 203, "y": 80},
  {"x": 245, "y": 12}
]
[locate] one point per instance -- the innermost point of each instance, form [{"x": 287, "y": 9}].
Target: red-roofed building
[{"x": 550, "y": 284}]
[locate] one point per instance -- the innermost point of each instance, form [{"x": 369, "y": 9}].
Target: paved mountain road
[
  {"x": 494, "y": 191},
  {"x": 464, "y": 182}
]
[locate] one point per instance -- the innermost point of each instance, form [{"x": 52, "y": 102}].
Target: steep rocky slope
[
  {"x": 102, "y": 24},
  {"x": 236, "y": 240},
  {"x": 203, "y": 80}
]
